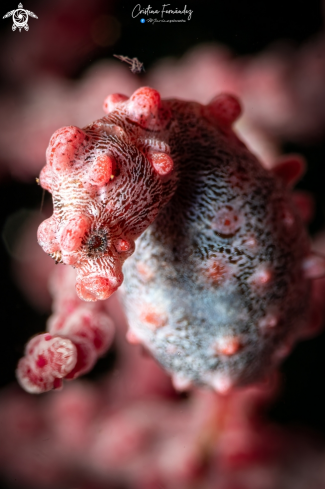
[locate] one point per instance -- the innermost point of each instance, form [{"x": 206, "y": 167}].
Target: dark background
[{"x": 247, "y": 27}]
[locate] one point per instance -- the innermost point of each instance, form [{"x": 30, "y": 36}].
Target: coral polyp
[{"x": 218, "y": 287}]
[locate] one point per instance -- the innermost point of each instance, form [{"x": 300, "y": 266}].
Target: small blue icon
[{"x": 142, "y": 21}]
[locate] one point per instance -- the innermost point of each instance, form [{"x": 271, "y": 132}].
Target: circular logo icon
[{"x": 20, "y": 18}]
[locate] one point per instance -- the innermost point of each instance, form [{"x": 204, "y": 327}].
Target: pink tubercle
[
  {"x": 73, "y": 232},
  {"x": 287, "y": 217},
  {"x": 225, "y": 108},
  {"x": 215, "y": 271},
  {"x": 314, "y": 266},
  {"x": 227, "y": 221},
  {"x": 144, "y": 271},
  {"x": 96, "y": 288},
  {"x": 63, "y": 146},
  {"x": 146, "y": 100},
  {"x": 153, "y": 317},
  {"x": 112, "y": 100},
  {"x": 262, "y": 276},
  {"x": 122, "y": 245},
  {"x": 227, "y": 345},
  {"x": 251, "y": 243},
  {"x": 305, "y": 205},
  {"x": 162, "y": 163},
  {"x": 283, "y": 351},
  {"x": 171, "y": 349},
  {"x": 181, "y": 383},
  {"x": 145, "y": 107},
  {"x": 269, "y": 321},
  {"x": 46, "y": 177},
  {"x": 222, "y": 383},
  {"x": 101, "y": 171},
  {"x": 289, "y": 169},
  {"x": 132, "y": 338},
  {"x": 46, "y": 235}
]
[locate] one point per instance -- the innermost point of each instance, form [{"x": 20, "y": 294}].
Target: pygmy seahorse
[{"x": 218, "y": 286}]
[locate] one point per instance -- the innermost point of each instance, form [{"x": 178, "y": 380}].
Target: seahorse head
[{"x": 108, "y": 182}]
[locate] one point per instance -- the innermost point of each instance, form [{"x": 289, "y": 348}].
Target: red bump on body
[
  {"x": 305, "y": 205},
  {"x": 215, "y": 272},
  {"x": 145, "y": 272},
  {"x": 181, "y": 383},
  {"x": 283, "y": 351},
  {"x": 45, "y": 178},
  {"x": 227, "y": 345},
  {"x": 46, "y": 235},
  {"x": 145, "y": 108},
  {"x": 221, "y": 383},
  {"x": 251, "y": 243},
  {"x": 146, "y": 100},
  {"x": 262, "y": 276},
  {"x": 314, "y": 266},
  {"x": 92, "y": 289},
  {"x": 287, "y": 217},
  {"x": 289, "y": 169},
  {"x": 269, "y": 321},
  {"x": 68, "y": 134},
  {"x": 162, "y": 163},
  {"x": 101, "y": 171},
  {"x": 226, "y": 108},
  {"x": 63, "y": 146},
  {"x": 226, "y": 221},
  {"x": 111, "y": 101},
  {"x": 122, "y": 245},
  {"x": 73, "y": 232},
  {"x": 153, "y": 318},
  {"x": 132, "y": 338}
]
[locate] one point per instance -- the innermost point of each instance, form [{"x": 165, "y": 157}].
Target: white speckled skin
[{"x": 194, "y": 281}]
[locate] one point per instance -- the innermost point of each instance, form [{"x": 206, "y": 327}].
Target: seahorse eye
[{"x": 96, "y": 243}]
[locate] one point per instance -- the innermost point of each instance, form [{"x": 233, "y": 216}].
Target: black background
[{"x": 247, "y": 27}]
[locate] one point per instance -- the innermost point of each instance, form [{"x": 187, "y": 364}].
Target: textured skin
[
  {"x": 96, "y": 221},
  {"x": 217, "y": 287},
  {"x": 78, "y": 334}
]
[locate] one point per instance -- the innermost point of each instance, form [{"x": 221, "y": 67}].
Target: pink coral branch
[{"x": 78, "y": 334}]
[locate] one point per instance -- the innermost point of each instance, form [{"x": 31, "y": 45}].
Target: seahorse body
[{"x": 215, "y": 288}]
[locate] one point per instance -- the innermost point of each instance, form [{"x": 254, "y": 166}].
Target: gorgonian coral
[
  {"x": 219, "y": 285},
  {"x": 78, "y": 333}
]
